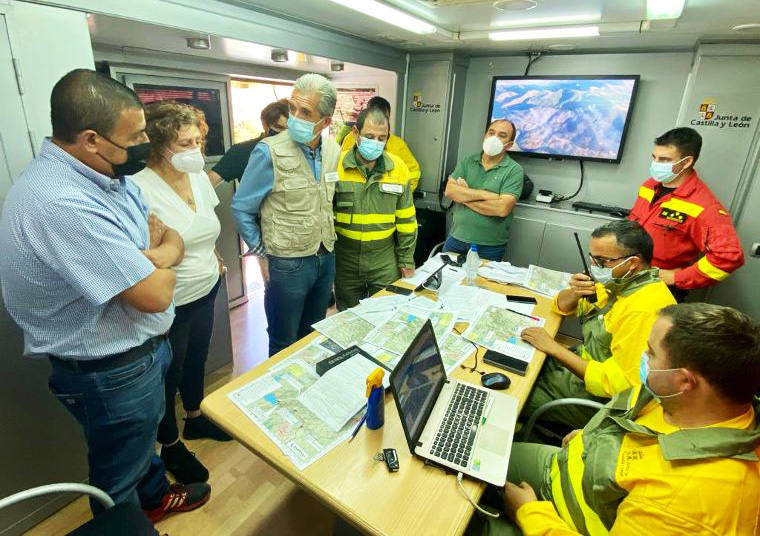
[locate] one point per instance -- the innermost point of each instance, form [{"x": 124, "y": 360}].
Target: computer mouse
[{"x": 495, "y": 380}]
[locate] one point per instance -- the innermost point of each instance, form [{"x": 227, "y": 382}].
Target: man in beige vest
[{"x": 283, "y": 210}]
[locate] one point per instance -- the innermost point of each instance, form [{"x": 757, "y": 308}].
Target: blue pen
[{"x": 358, "y": 426}]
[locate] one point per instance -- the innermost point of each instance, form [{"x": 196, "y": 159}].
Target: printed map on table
[
  {"x": 499, "y": 329},
  {"x": 545, "y": 281},
  {"x": 346, "y": 328},
  {"x": 399, "y": 331},
  {"x": 271, "y": 402},
  {"x": 453, "y": 353}
]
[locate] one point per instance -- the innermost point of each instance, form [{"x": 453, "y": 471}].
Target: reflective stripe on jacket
[
  {"x": 692, "y": 232},
  {"x": 378, "y": 213}
]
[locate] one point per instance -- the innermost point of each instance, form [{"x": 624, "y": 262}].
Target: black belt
[
  {"x": 111, "y": 361},
  {"x": 322, "y": 250}
]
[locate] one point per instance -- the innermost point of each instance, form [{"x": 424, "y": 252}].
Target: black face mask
[
  {"x": 137, "y": 155},
  {"x": 272, "y": 132}
]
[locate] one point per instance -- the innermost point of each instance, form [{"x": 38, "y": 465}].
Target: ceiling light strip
[{"x": 545, "y": 33}]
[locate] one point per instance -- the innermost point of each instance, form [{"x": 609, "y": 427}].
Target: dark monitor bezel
[
  {"x": 549, "y": 156},
  {"x": 412, "y": 441}
]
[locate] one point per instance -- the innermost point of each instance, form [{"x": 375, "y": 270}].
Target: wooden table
[{"x": 418, "y": 499}]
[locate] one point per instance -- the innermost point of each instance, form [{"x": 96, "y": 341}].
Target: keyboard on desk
[{"x": 456, "y": 434}]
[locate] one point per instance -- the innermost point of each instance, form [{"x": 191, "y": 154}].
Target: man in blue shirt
[
  {"x": 284, "y": 213},
  {"x": 87, "y": 276}
]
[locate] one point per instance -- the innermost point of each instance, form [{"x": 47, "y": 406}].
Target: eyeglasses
[{"x": 599, "y": 261}]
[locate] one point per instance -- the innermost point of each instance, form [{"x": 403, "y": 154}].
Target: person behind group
[
  {"x": 178, "y": 191},
  {"x": 394, "y": 145},
  {"x": 677, "y": 454},
  {"x": 615, "y": 328},
  {"x": 695, "y": 242},
  {"x": 91, "y": 282},
  {"x": 374, "y": 214},
  {"x": 274, "y": 119},
  {"x": 485, "y": 187},
  {"x": 284, "y": 212}
]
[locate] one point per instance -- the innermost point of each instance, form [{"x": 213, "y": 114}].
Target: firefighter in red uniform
[{"x": 695, "y": 243}]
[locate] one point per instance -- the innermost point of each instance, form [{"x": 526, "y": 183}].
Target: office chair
[
  {"x": 436, "y": 249},
  {"x": 124, "y": 519},
  {"x": 528, "y": 428}
]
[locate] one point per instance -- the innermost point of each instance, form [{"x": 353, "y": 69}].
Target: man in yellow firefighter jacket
[
  {"x": 374, "y": 214},
  {"x": 676, "y": 455}
]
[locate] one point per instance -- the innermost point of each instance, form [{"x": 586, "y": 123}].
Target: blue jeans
[
  {"x": 119, "y": 411},
  {"x": 296, "y": 296},
  {"x": 491, "y": 253}
]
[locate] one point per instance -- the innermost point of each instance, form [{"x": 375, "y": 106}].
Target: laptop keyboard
[{"x": 456, "y": 434}]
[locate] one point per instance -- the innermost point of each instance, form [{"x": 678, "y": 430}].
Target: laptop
[{"x": 455, "y": 424}]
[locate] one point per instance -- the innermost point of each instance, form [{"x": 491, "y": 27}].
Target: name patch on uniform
[
  {"x": 391, "y": 188},
  {"x": 673, "y": 215},
  {"x": 331, "y": 177}
]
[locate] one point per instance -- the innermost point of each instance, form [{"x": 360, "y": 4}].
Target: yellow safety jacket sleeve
[
  {"x": 583, "y": 305},
  {"x": 621, "y": 370},
  {"x": 539, "y": 518},
  {"x": 406, "y": 229},
  {"x": 397, "y": 147},
  {"x": 634, "y": 518}
]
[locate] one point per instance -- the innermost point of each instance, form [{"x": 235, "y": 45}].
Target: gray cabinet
[{"x": 525, "y": 237}]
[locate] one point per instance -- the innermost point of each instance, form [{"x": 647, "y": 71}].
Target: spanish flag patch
[{"x": 723, "y": 212}]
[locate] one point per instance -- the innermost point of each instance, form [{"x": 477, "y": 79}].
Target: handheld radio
[{"x": 592, "y": 297}]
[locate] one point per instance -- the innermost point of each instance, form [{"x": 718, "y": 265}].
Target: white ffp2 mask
[{"x": 190, "y": 161}]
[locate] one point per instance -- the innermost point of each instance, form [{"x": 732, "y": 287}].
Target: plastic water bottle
[{"x": 471, "y": 265}]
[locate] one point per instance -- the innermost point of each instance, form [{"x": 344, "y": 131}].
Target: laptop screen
[{"x": 416, "y": 382}]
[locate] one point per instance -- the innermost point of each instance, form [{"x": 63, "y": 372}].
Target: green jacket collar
[
  {"x": 689, "y": 444},
  {"x": 629, "y": 285}
]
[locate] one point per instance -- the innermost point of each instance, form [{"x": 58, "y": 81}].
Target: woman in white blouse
[{"x": 179, "y": 192}]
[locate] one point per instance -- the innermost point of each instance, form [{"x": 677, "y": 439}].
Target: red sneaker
[{"x": 180, "y": 498}]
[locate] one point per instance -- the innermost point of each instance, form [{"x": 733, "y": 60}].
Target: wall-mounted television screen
[{"x": 578, "y": 117}]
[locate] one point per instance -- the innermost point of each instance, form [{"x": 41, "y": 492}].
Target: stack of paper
[
  {"x": 503, "y": 272},
  {"x": 340, "y": 393},
  {"x": 467, "y": 300}
]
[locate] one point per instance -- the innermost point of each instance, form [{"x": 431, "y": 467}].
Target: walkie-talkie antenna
[{"x": 592, "y": 297}]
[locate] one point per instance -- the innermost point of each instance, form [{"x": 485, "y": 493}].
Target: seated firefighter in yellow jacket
[
  {"x": 615, "y": 328},
  {"x": 394, "y": 144},
  {"x": 374, "y": 214},
  {"x": 676, "y": 455}
]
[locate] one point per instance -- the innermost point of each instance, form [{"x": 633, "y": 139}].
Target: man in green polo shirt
[{"x": 485, "y": 188}]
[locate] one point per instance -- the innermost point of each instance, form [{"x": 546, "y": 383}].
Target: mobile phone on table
[
  {"x": 512, "y": 364},
  {"x": 521, "y": 299},
  {"x": 399, "y": 290}
]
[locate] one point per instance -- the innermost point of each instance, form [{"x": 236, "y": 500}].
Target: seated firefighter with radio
[{"x": 617, "y": 309}]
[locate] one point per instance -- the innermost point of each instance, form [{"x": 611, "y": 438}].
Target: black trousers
[{"x": 189, "y": 336}]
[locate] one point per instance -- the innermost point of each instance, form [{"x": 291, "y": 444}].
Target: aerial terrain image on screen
[{"x": 583, "y": 118}]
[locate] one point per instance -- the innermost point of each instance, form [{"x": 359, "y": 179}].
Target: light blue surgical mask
[
  {"x": 370, "y": 149},
  {"x": 604, "y": 275},
  {"x": 645, "y": 371},
  {"x": 301, "y": 130},
  {"x": 663, "y": 171}
]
